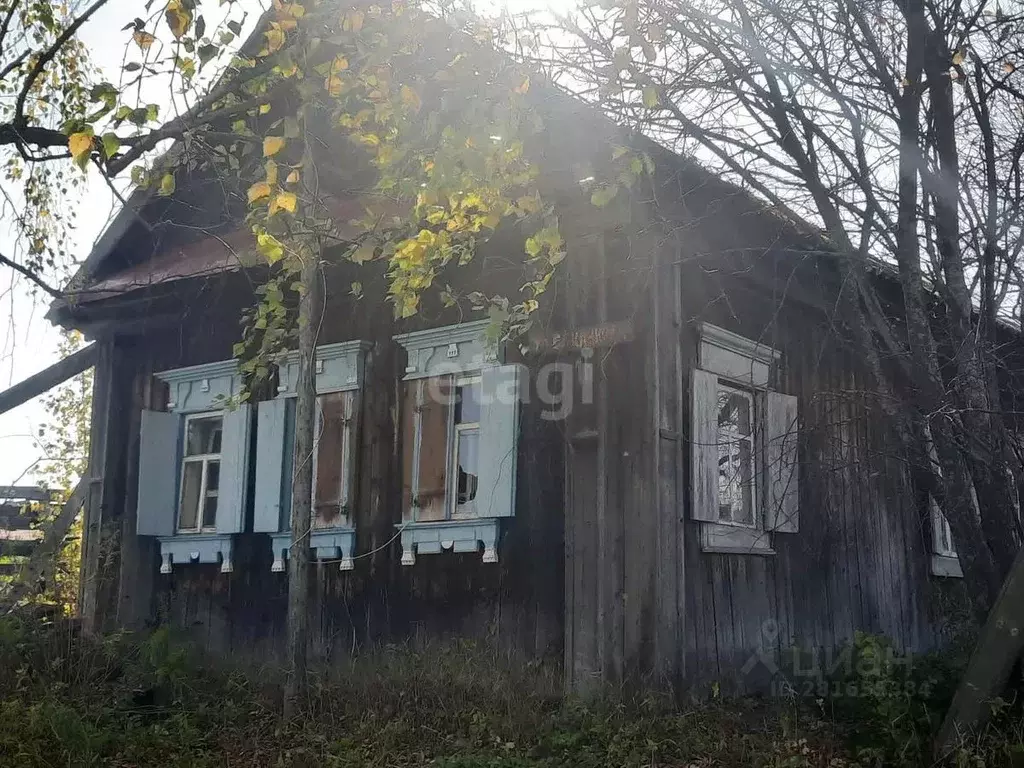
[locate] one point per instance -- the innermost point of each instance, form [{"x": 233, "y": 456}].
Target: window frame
[{"x": 205, "y": 459}]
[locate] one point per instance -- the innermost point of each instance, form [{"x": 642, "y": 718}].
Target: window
[
  {"x": 339, "y": 371},
  {"x": 736, "y": 472},
  {"x": 194, "y": 471},
  {"x": 459, "y": 437},
  {"x": 743, "y": 447},
  {"x": 200, "y": 474},
  {"x": 332, "y": 453},
  {"x": 945, "y": 561},
  {"x": 442, "y": 460},
  {"x": 942, "y": 534}
]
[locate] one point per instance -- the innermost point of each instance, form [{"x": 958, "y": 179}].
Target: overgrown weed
[{"x": 154, "y": 701}]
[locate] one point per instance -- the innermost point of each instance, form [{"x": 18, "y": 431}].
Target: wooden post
[
  {"x": 310, "y": 305},
  {"x": 138, "y": 553},
  {"x": 101, "y": 533},
  {"x": 998, "y": 648},
  {"x": 94, "y": 476}
]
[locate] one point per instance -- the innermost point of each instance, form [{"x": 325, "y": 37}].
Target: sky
[{"x": 28, "y": 342}]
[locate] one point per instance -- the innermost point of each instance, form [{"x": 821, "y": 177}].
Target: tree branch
[{"x": 31, "y": 276}]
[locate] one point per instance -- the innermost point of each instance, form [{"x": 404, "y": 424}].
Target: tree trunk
[{"x": 302, "y": 485}]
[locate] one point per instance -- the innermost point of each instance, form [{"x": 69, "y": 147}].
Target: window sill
[
  {"x": 326, "y": 543},
  {"x": 466, "y": 535},
  {"x": 188, "y": 548},
  {"x": 716, "y": 538},
  {"x": 947, "y": 566}
]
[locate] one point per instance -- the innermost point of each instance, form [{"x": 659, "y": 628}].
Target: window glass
[
  {"x": 191, "y": 487},
  {"x": 468, "y": 461},
  {"x": 735, "y": 456},
  {"x": 200, "y": 474},
  {"x": 467, "y": 403},
  {"x": 211, "y": 494},
  {"x": 466, "y": 447},
  {"x": 203, "y": 436}
]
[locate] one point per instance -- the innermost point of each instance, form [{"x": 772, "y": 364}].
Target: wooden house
[{"x": 682, "y": 477}]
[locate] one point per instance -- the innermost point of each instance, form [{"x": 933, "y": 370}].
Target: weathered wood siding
[
  {"x": 516, "y": 604},
  {"x": 860, "y": 561},
  {"x": 601, "y": 567}
]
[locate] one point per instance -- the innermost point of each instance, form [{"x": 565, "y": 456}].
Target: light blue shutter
[
  {"x": 501, "y": 387},
  {"x": 270, "y": 459},
  {"x": 234, "y": 469},
  {"x": 159, "y": 451}
]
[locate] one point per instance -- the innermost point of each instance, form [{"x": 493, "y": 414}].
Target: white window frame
[
  {"x": 346, "y": 452},
  {"x": 454, "y": 510},
  {"x": 754, "y": 437},
  {"x": 205, "y": 459}
]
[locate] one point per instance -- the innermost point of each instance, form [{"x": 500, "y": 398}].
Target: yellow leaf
[
  {"x": 523, "y": 87},
  {"x": 334, "y": 85},
  {"x": 363, "y": 253},
  {"x": 288, "y": 70},
  {"x": 269, "y": 247},
  {"x": 271, "y": 169},
  {"x": 167, "y": 184},
  {"x": 79, "y": 144},
  {"x": 258, "y": 191},
  {"x": 274, "y": 37},
  {"x": 650, "y": 96},
  {"x": 272, "y": 145},
  {"x": 339, "y": 64},
  {"x": 264, "y": 108},
  {"x": 353, "y": 21},
  {"x": 178, "y": 17},
  {"x": 285, "y": 201},
  {"x": 143, "y": 39},
  {"x": 958, "y": 58},
  {"x": 288, "y": 23},
  {"x": 293, "y": 178},
  {"x": 410, "y": 98}
]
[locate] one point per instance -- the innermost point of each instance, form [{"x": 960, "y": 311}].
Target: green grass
[{"x": 121, "y": 701}]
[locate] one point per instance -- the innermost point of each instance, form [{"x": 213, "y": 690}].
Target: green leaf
[
  {"x": 604, "y": 195},
  {"x": 167, "y": 185},
  {"x": 110, "y": 145}
]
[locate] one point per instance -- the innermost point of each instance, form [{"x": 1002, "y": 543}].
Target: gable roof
[{"x": 102, "y": 277}]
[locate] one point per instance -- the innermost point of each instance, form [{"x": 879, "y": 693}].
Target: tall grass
[{"x": 154, "y": 701}]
